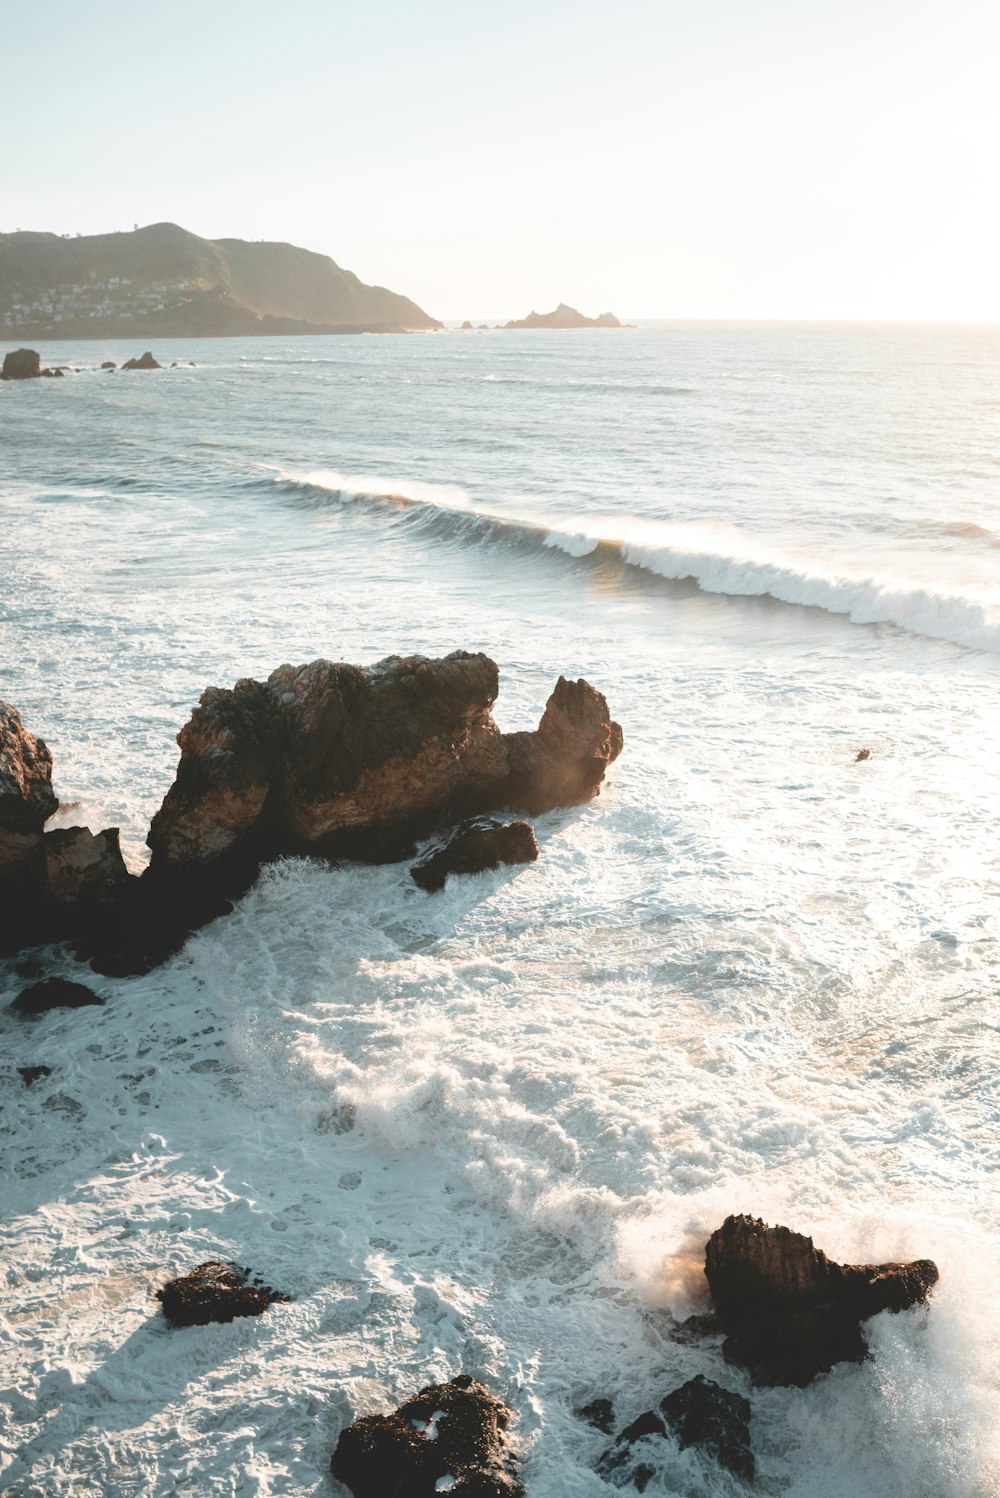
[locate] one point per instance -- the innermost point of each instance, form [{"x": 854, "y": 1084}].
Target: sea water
[{"x": 490, "y": 1130}]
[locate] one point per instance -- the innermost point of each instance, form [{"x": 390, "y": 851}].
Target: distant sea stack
[
  {"x": 167, "y": 281},
  {"x": 565, "y": 317}
]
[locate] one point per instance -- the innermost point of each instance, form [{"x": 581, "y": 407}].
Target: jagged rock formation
[
  {"x": 341, "y": 760},
  {"x": 791, "y": 1312},
  {"x": 215, "y": 1292},
  {"x": 448, "y": 1438},
  {"x": 475, "y": 846},
  {"x": 564, "y": 317},
  {"x": 328, "y": 759},
  {"x": 700, "y": 1413},
  {"x": 164, "y": 280},
  {"x": 145, "y": 361}
]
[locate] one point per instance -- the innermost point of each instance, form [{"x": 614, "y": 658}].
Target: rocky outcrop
[
  {"x": 789, "y": 1311},
  {"x": 475, "y": 846},
  {"x": 22, "y": 364},
  {"x": 700, "y": 1413},
  {"x": 81, "y": 865},
  {"x": 449, "y": 1438},
  {"x": 215, "y": 1291},
  {"x": 145, "y": 361},
  {"x": 564, "y": 317},
  {"x": 340, "y": 760},
  {"x": 27, "y": 799},
  {"x": 109, "y": 364},
  {"x": 329, "y": 759},
  {"x": 54, "y": 993}
]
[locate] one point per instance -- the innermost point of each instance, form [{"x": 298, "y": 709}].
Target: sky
[{"x": 679, "y": 159}]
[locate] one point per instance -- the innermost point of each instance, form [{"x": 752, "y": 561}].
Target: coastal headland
[{"x": 165, "y": 280}]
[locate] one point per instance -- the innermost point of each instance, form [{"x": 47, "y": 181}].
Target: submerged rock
[
  {"x": 475, "y": 846},
  {"x": 145, "y": 361},
  {"x": 448, "y": 1438},
  {"x": 31, "y": 1074},
  {"x": 600, "y": 1413},
  {"x": 215, "y": 1291},
  {"x": 22, "y": 364},
  {"x": 700, "y": 1413},
  {"x": 789, "y": 1311},
  {"x": 54, "y": 993}
]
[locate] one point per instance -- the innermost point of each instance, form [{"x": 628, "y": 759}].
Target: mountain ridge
[{"x": 164, "y": 279}]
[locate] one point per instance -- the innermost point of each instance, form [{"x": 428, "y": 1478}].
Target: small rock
[
  {"x": 109, "y": 364},
  {"x": 863, "y": 754},
  {"x": 449, "y": 1438},
  {"x": 54, "y": 993},
  {"x": 31, "y": 1074},
  {"x": 701, "y": 1413},
  {"x": 475, "y": 846},
  {"x": 600, "y": 1413},
  {"x": 146, "y": 361},
  {"x": 22, "y": 364},
  {"x": 215, "y": 1291}
]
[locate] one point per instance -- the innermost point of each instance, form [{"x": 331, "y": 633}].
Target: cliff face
[{"x": 163, "y": 279}]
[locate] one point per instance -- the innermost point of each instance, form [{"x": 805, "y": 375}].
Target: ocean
[{"x": 490, "y": 1130}]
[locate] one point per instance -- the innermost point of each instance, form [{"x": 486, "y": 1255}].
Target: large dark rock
[
  {"x": 22, "y": 364},
  {"x": 475, "y": 846},
  {"x": 789, "y": 1311},
  {"x": 454, "y": 1433},
  {"x": 700, "y": 1413},
  {"x": 145, "y": 361},
  {"x": 215, "y": 1291},
  {"x": 340, "y": 760},
  {"x": 31, "y": 1074},
  {"x": 54, "y": 993}
]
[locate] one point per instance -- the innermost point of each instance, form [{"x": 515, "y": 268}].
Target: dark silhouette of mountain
[
  {"x": 565, "y": 317},
  {"x": 165, "y": 280}
]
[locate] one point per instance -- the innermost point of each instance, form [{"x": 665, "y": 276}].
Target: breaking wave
[{"x": 718, "y": 559}]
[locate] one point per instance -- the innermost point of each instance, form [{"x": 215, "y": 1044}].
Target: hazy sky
[{"x": 684, "y": 158}]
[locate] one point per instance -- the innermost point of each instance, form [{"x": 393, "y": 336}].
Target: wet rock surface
[
  {"x": 448, "y": 1438},
  {"x": 54, "y": 993},
  {"x": 700, "y": 1413},
  {"x": 215, "y": 1291},
  {"x": 477, "y": 845},
  {"x": 789, "y": 1311},
  {"x": 31, "y": 1074}
]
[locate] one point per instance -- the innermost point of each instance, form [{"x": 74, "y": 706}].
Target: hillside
[{"x": 163, "y": 279}]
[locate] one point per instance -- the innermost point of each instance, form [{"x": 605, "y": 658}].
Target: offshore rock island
[
  {"x": 565, "y": 317},
  {"x": 165, "y": 280}
]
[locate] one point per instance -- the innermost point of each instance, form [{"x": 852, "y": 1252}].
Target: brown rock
[
  {"x": 789, "y": 1310},
  {"x": 22, "y": 364},
  {"x": 340, "y": 760},
  {"x": 109, "y": 364},
  {"x": 454, "y": 1433},
  {"x": 145, "y": 361},
  {"x": 215, "y": 1292},
  {"x": 82, "y": 866},
  {"x": 26, "y": 795},
  {"x": 563, "y": 762},
  {"x": 475, "y": 846}
]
